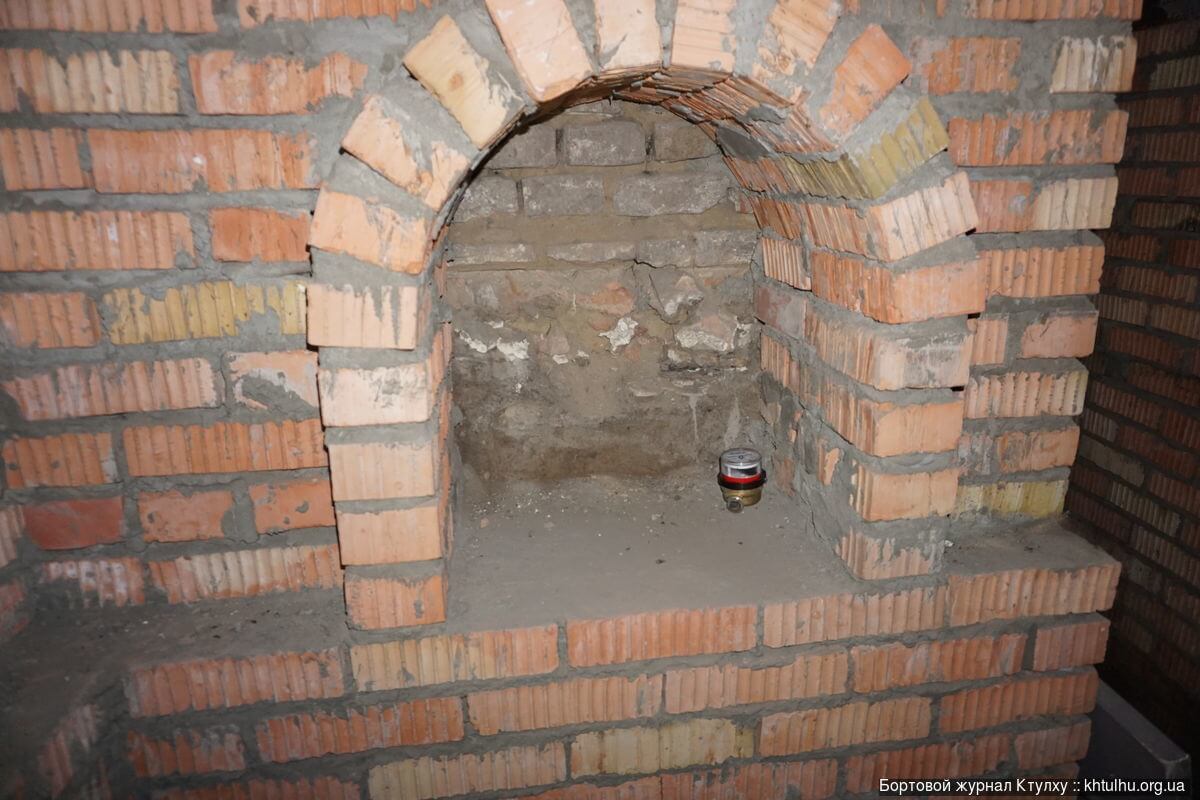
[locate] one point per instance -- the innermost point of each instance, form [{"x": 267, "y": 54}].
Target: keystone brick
[
  {"x": 177, "y": 517},
  {"x": 844, "y": 726},
  {"x": 224, "y": 83},
  {"x": 224, "y": 447},
  {"x": 384, "y": 602},
  {"x": 628, "y": 751},
  {"x": 259, "y": 234},
  {"x": 463, "y": 81},
  {"x": 883, "y": 667},
  {"x": 46, "y": 320},
  {"x": 428, "y": 777},
  {"x": 187, "y": 752},
  {"x": 201, "y": 311},
  {"x": 89, "y": 82},
  {"x": 42, "y": 159},
  {"x": 1018, "y": 700},
  {"x": 627, "y": 34},
  {"x": 221, "y": 160},
  {"x": 356, "y": 730},
  {"x": 247, "y": 573},
  {"x": 202, "y": 684},
  {"x": 872, "y": 67},
  {"x": 542, "y": 42},
  {"x": 377, "y": 234},
  {"x": 703, "y": 36},
  {"x": 47, "y": 241},
  {"x": 553, "y": 705},
  {"x": 102, "y": 581},
  {"x": 663, "y": 634},
  {"x": 74, "y": 524},
  {"x": 702, "y": 688},
  {"x": 291, "y": 505},
  {"x": 69, "y": 459}
]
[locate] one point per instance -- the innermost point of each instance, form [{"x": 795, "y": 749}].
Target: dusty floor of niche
[{"x": 535, "y": 553}]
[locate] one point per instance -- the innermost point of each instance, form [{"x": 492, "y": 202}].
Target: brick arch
[{"x": 864, "y": 275}]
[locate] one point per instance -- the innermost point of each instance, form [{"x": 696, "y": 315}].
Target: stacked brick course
[
  {"x": 171, "y": 441},
  {"x": 1135, "y": 480}
]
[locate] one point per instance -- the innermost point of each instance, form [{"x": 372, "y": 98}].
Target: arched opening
[{"x": 863, "y": 281}]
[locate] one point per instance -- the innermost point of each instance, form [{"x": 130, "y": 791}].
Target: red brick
[
  {"x": 1046, "y": 748},
  {"x": 121, "y": 16},
  {"x": 1094, "y": 64},
  {"x": 541, "y": 40},
  {"x": 953, "y": 759},
  {"x": 805, "y": 780},
  {"x": 42, "y": 159},
  {"x": 89, "y": 82},
  {"x": 177, "y": 517},
  {"x": 703, "y": 36},
  {"x": 324, "y": 788},
  {"x": 259, "y": 234},
  {"x": 202, "y": 684},
  {"x": 845, "y": 726},
  {"x": 261, "y": 380},
  {"x": 877, "y": 495},
  {"x": 224, "y": 447},
  {"x": 305, "y": 503},
  {"x": 1057, "y": 9},
  {"x": 1043, "y": 271},
  {"x": 392, "y": 536},
  {"x": 972, "y": 64},
  {"x": 72, "y": 741},
  {"x": 387, "y": 317},
  {"x": 663, "y": 634},
  {"x": 944, "y": 290},
  {"x": 47, "y": 241},
  {"x": 70, "y": 459},
  {"x": 386, "y": 395},
  {"x": 46, "y": 320},
  {"x": 12, "y": 528},
  {"x": 1074, "y": 645},
  {"x": 101, "y": 581},
  {"x": 429, "y": 660},
  {"x": 1038, "y": 138},
  {"x": 247, "y": 573},
  {"x": 845, "y": 616},
  {"x": 356, "y": 730},
  {"x": 1029, "y": 451},
  {"x": 260, "y": 12},
  {"x": 1013, "y": 594},
  {"x": 872, "y": 67},
  {"x": 73, "y": 524},
  {"x": 883, "y": 667},
  {"x": 374, "y": 602},
  {"x": 512, "y": 768},
  {"x": 641, "y": 789},
  {"x": 225, "y": 83},
  {"x": 91, "y": 390},
  {"x": 1025, "y": 394},
  {"x": 573, "y": 702},
  {"x": 1020, "y": 699},
  {"x": 990, "y": 339},
  {"x": 187, "y": 752},
  {"x": 383, "y": 471},
  {"x": 368, "y": 231},
  {"x": 702, "y": 688},
  {"x": 13, "y": 613},
  {"x": 221, "y": 160},
  {"x": 627, "y": 34}
]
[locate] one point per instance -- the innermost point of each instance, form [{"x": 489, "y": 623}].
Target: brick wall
[
  {"x": 600, "y": 289},
  {"x": 201, "y": 196},
  {"x": 1135, "y": 480}
]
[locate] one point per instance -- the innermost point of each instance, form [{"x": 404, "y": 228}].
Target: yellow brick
[
  {"x": 1032, "y": 499},
  {"x": 201, "y": 311},
  {"x": 629, "y": 751}
]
